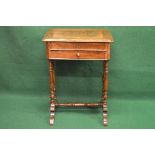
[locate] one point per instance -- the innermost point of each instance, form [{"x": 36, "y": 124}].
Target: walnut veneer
[{"x": 78, "y": 44}]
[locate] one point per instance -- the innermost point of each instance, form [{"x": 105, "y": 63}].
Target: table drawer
[
  {"x": 77, "y": 46},
  {"x": 78, "y": 55}
]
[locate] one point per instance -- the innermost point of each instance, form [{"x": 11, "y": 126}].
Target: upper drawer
[
  {"x": 77, "y": 46},
  {"x": 78, "y": 55}
]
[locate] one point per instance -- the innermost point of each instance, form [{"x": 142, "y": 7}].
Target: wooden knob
[{"x": 78, "y": 54}]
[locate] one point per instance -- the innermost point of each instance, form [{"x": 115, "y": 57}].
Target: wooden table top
[{"x": 78, "y": 35}]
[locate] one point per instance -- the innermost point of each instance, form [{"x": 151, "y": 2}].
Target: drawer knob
[{"x": 78, "y": 54}]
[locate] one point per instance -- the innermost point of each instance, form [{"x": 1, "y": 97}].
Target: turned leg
[
  {"x": 52, "y": 91},
  {"x": 105, "y": 93}
]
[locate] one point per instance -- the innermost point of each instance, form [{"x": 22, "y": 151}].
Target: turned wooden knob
[{"x": 78, "y": 54}]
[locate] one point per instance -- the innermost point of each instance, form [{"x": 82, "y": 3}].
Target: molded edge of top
[{"x": 78, "y": 35}]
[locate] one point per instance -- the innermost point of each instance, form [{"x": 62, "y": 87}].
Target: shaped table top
[{"x": 78, "y": 35}]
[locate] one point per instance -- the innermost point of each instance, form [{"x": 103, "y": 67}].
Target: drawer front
[
  {"x": 78, "y": 55},
  {"x": 77, "y": 46}
]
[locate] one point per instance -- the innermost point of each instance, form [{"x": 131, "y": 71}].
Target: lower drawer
[{"x": 78, "y": 55}]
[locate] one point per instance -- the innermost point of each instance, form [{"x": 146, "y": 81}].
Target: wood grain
[
  {"x": 79, "y": 104},
  {"x": 78, "y": 35},
  {"x": 105, "y": 93},
  {"x": 52, "y": 91},
  {"x": 78, "y": 44},
  {"x": 78, "y": 54}
]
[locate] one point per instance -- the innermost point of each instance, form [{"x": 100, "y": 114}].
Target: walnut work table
[{"x": 78, "y": 44}]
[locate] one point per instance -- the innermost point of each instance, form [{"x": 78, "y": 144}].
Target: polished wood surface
[
  {"x": 78, "y": 44},
  {"x": 78, "y": 55},
  {"x": 78, "y": 35},
  {"x": 79, "y": 104},
  {"x": 52, "y": 91},
  {"x": 105, "y": 93},
  {"x": 78, "y": 51}
]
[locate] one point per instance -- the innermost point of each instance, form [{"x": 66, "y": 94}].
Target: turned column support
[
  {"x": 52, "y": 91},
  {"x": 105, "y": 93}
]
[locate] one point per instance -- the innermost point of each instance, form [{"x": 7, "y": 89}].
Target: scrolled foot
[
  {"x": 52, "y": 114},
  {"x": 51, "y": 121},
  {"x": 105, "y": 107},
  {"x": 105, "y": 119},
  {"x": 105, "y": 113},
  {"x": 105, "y": 122}
]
